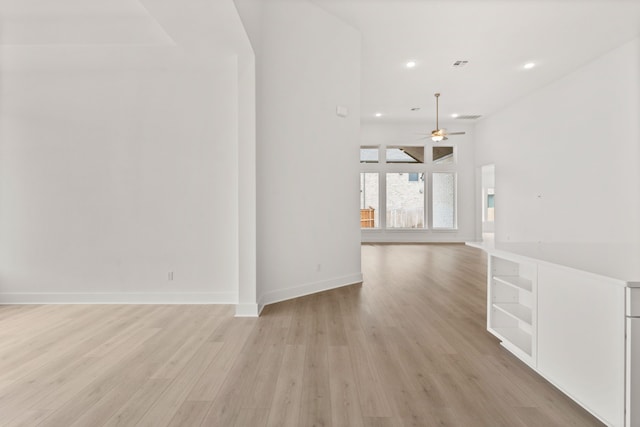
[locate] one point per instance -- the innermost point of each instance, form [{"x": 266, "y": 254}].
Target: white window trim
[{"x": 427, "y": 168}]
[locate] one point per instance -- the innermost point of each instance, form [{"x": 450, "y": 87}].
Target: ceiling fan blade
[{"x": 456, "y": 133}]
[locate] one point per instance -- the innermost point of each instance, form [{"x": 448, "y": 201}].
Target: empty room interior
[{"x": 180, "y": 243}]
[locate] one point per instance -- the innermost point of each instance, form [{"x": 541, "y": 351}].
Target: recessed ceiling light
[
  {"x": 454, "y": 115},
  {"x": 411, "y": 64},
  {"x": 378, "y": 114},
  {"x": 529, "y": 65}
]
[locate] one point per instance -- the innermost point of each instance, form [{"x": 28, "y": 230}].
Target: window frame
[{"x": 428, "y": 168}]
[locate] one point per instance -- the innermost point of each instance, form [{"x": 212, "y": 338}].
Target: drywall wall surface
[
  {"x": 127, "y": 167},
  {"x": 112, "y": 180},
  {"x": 567, "y": 156},
  {"x": 307, "y": 156},
  {"x": 383, "y": 135}
]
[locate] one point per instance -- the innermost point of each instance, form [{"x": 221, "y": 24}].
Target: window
[
  {"x": 369, "y": 193},
  {"x": 490, "y": 205},
  {"x": 405, "y": 155},
  {"x": 444, "y": 200},
  {"x": 405, "y": 201},
  {"x": 408, "y": 189},
  {"x": 368, "y": 155},
  {"x": 442, "y": 155}
]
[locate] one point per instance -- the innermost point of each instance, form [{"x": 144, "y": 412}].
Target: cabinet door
[{"x": 581, "y": 343}]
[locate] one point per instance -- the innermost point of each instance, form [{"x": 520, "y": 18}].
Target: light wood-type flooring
[{"x": 407, "y": 348}]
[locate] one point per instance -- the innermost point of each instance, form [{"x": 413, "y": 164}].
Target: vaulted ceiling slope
[
  {"x": 497, "y": 37},
  {"x": 79, "y": 22},
  {"x": 102, "y": 34}
]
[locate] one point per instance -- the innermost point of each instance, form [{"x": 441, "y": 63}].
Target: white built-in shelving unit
[
  {"x": 567, "y": 310},
  {"x": 512, "y": 305}
]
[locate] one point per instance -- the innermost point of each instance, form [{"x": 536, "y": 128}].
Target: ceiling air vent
[
  {"x": 460, "y": 64},
  {"x": 468, "y": 117}
]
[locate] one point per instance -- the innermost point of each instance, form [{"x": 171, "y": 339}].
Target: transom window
[{"x": 406, "y": 154}]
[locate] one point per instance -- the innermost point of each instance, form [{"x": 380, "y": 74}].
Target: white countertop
[{"x": 613, "y": 260}]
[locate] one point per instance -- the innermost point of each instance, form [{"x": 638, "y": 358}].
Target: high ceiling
[
  {"x": 497, "y": 37},
  {"x": 78, "y": 22},
  {"x": 99, "y": 34}
]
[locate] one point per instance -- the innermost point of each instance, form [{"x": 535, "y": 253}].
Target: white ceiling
[
  {"x": 497, "y": 37},
  {"x": 106, "y": 34},
  {"x": 78, "y": 22}
]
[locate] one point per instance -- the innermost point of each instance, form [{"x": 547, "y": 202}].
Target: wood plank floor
[{"x": 407, "y": 348}]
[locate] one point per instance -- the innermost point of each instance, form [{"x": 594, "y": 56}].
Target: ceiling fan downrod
[{"x": 437, "y": 95}]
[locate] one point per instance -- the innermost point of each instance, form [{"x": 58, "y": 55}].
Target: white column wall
[{"x": 307, "y": 156}]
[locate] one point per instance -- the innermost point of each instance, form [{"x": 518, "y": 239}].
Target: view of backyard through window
[
  {"x": 405, "y": 201},
  {"x": 444, "y": 200},
  {"x": 399, "y": 182},
  {"x": 369, "y": 194}
]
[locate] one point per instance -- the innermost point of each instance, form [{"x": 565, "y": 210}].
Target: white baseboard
[
  {"x": 248, "y": 310},
  {"x": 403, "y": 237},
  {"x": 308, "y": 289},
  {"x": 119, "y": 298}
]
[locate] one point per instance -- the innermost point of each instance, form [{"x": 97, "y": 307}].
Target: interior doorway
[{"x": 488, "y": 197}]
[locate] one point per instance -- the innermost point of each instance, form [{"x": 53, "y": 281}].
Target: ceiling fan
[{"x": 438, "y": 134}]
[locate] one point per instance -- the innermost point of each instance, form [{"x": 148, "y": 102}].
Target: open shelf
[
  {"x": 516, "y": 337},
  {"x": 515, "y": 310},
  {"x": 515, "y": 281},
  {"x": 512, "y": 306}
]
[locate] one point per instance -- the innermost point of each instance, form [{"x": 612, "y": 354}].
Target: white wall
[
  {"x": 122, "y": 162},
  {"x": 307, "y": 157},
  {"x": 109, "y": 180},
  {"x": 384, "y": 134},
  {"x": 567, "y": 157}
]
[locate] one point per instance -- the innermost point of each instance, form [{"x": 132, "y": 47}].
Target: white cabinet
[
  {"x": 572, "y": 313},
  {"x": 512, "y": 305},
  {"x": 581, "y": 336}
]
